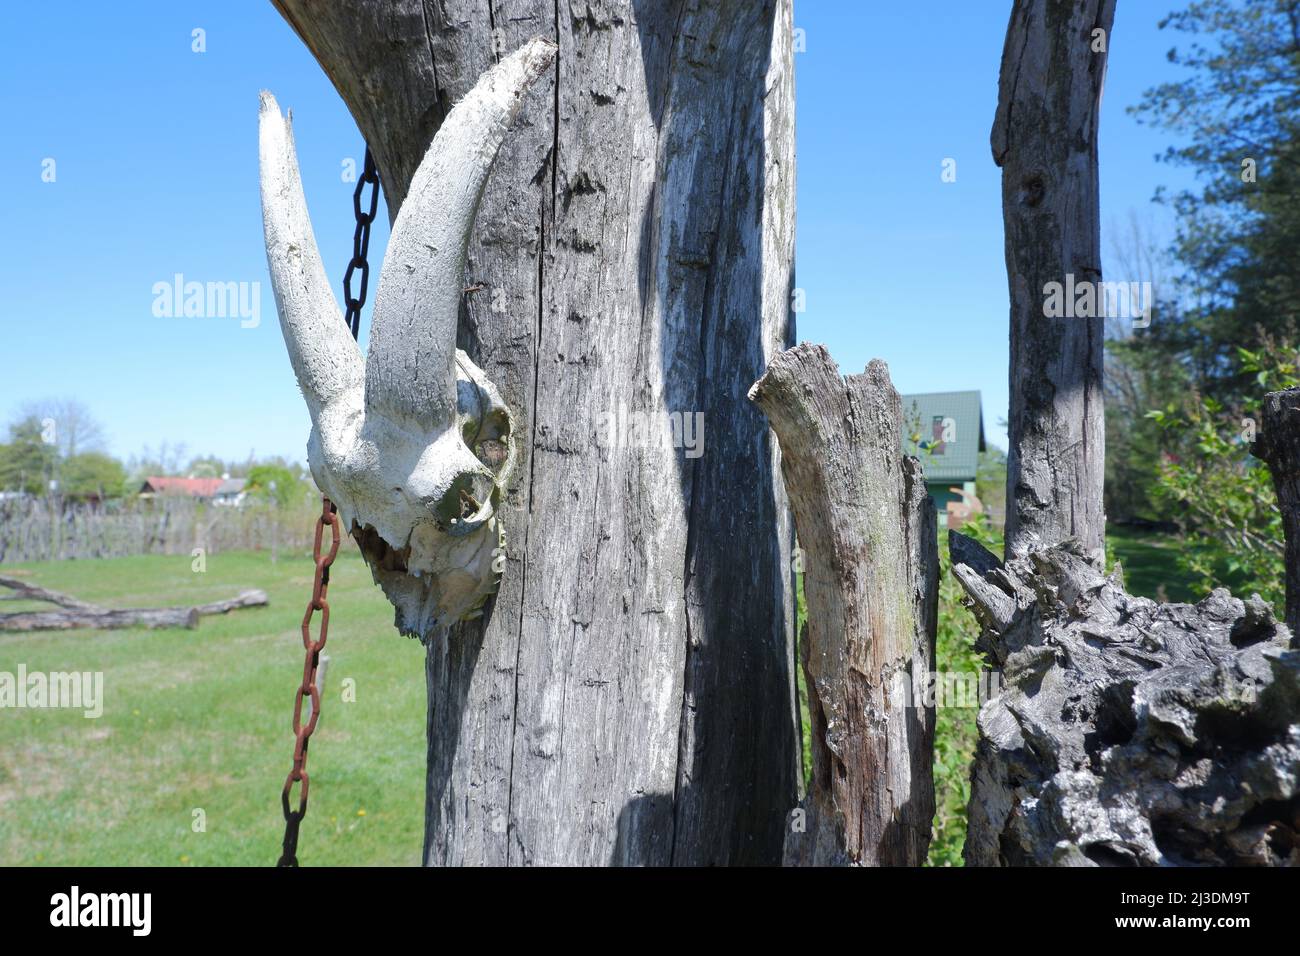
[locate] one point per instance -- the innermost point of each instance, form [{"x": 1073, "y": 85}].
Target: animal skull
[{"x": 413, "y": 444}]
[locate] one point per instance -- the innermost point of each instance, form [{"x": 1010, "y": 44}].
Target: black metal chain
[
  {"x": 329, "y": 518},
  {"x": 361, "y": 244}
]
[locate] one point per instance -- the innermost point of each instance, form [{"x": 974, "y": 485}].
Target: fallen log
[
  {"x": 101, "y": 619},
  {"x": 74, "y": 613},
  {"x": 1128, "y": 733},
  {"x": 23, "y": 591},
  {"x": 871, "y": 570}
]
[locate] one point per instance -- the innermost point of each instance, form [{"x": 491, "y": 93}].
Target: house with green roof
[{"x": 945, "y": 430}]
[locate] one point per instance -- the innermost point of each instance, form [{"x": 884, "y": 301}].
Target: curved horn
[
  {"x": 410, "y": 371},
  {"x": 325, "y": 359}
]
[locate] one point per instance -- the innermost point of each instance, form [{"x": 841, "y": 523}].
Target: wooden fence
[{"x": 36, "y": 530}]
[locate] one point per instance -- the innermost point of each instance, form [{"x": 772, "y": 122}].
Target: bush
[
  {"x": 955, "y": 732},
  {"x": 1233, "y": 528}
]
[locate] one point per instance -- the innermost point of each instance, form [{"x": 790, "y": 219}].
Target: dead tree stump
[
  {"x": 1045, "y": 141},
  {"x": 868, "y": 529},
  {"x": 1279, "y": 447},
  {"x": 1128, "y": 732}
]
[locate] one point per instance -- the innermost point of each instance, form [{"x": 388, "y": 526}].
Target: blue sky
[{"x": 155, "y": 163}]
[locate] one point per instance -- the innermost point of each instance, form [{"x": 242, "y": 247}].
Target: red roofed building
[{"x": 187, "y": 487}]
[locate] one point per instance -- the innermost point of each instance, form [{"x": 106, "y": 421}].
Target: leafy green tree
[
  {"x": 28, "y": 462},
  {"x": 1233, "y": 534},
  {"x": 92, "y": 474},
  {"x": 1140, "y": 376},
  {"x": 275, "y": 483},
  {"x": 1237, "y": 114}
]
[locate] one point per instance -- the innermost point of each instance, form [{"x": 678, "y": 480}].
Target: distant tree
[
  {"x": 167, "y": 459},
  {"x": 1237, "y": 114},
  {"x": 207, "y": 466},
  {"x": 294, "y": 468},
  {"x": 1233, "y": 528},
  {"x": 73, "y": 428},
  {"x": 1235, "y": 278},
  {"x": 92, "y": 474},
  {"x": 275, "y": 483},
  {"x": 28, "y": 462}
]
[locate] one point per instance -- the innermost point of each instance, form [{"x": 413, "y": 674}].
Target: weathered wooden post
[
  {"x": 1126, "y": 732},
  {"x": 1045, "y": 140},
  {"x": 627, "y": 696},
  {"x": 1279, "y": 446},
  {"x": 871, "y": 570}
]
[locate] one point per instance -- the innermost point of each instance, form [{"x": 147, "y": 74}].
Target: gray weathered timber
[
  {"x": 867, "y": 527},
  {"x": 1279, "y": 446},
  {"x": 1128, "y": 733},
  {"x": 52, "y": 530},
  {"x": 74, "y": 613},
  {"x": 628, "y": 696},
  {"x": 1045, "y": 140}
]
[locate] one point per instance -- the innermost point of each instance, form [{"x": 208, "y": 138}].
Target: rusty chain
[
  {"x": 293, "y": 818},
  {"x": 307, "y": 689}
]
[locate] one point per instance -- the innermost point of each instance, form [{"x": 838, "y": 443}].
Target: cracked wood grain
[
  {"x": 871, "y": 576},
  {"x": 1045, "y": 140},
  {"x": 628, "y": 697}
]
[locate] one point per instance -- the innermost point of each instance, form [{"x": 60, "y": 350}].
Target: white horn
[
  {"x": 411, "y": 368},
  {"x": 325, "y": 359}
]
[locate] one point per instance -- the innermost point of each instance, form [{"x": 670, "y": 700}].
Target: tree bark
[
  {"x": 1126, "y": 732},
  {"x": 628, "y": 698},
  {"x": 871, "y": 582},
  {"x": 1279, "y": 446},
  {"x": 1045, "y": 140}
]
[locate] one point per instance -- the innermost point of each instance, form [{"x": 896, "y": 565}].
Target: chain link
[
  {"x": 320, "y": 586},
  {"x": 361, "y": 244},
  {"x": 308, "y": 689}
]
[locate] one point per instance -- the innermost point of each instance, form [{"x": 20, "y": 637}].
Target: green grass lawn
[
  {"x": 1150, "y": 563},
  {"x": 202, "y": 720}
]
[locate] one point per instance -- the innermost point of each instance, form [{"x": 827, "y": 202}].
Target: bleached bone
[{"x": 413, "y": 444}]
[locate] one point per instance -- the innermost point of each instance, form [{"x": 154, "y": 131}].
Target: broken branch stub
[
  {"x": 413, "y": 444},
  {"x": 1128, "y": 733},
  {"x": 867, "y": 527}
]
